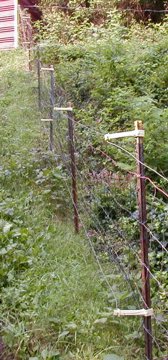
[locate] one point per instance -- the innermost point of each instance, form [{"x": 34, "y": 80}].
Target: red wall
[{"x": 8, "y": 24}]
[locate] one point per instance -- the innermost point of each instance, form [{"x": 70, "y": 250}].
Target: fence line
[
  {"x": 100, "y": 226},
  {"x": 80, "y": 8}
]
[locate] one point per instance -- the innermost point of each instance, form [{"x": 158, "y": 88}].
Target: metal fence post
[
  {"x": 144, "y": 241},
  {"x": 29, "y": 56},
  {"x": 73, "y": 168},
  {"x": 52, "y": 103},
  {"x": 147, "y": 311},
  {"x": 39, "y": 78}
]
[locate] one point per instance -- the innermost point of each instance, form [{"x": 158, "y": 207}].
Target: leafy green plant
[{"x": 51, "y": 290}]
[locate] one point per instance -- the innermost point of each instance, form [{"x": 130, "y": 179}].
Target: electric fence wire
[
  {"x": 85, "y": 180},
  {"x": 99, "y": 230},
  {"x": 129, "y": 154},
  {"x": 89, "y": 9},
  {"x": 111, "y": 222},
  {"x": 113, "y": 257},
  {"x": 155, "y": 239},
  {"x": 127, "y": 244},
  {"x": 156, "y": 187},
  {"x": 85, "y": 206},
  {"x": 135, "y": 218},
  {"x": 146, "y": 227},
  {"x": 126, "y": 277},
  {"x": 140, "y": 162},
  {"x": 104, "y": 276},
  {"x": 121, "y": 268},
  {"x": 151, "y": 232}
]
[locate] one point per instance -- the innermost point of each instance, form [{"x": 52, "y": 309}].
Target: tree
[{"x": 141, "y": 9}]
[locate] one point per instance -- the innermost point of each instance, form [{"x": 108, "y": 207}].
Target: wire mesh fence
[{"x": 103, "y": 197}]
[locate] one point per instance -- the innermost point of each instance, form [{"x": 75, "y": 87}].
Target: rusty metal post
[
  {"x": 144, "y": 241},
  {"x": 39, "y": 78},
  {"x": 29, "y": 39},
  {"x": 52, "y": 103},
  {"x": 29, "y": 56},
  {"x": 73, "y": 168}
]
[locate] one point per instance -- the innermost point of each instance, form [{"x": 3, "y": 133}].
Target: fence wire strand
[{"x": 89, "y": 184}]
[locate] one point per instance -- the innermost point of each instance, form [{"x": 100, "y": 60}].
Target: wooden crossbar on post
[
  {"x": 47, "y": 69},
  {"x": 63, "y": 108},
  {"x": 140, "y": 312},
  {"x": 133, "y": 133}
]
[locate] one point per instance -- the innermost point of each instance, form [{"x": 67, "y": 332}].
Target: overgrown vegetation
[
  {"x": 52, "y": 296},
  {"x": 54, "y": 302},
  {"x": 115, "y": 75}
]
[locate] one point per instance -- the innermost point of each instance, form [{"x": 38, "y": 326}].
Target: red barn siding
[{"x": 8, "y": 24}]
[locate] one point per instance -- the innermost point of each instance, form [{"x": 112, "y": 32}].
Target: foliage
[
  {"x": 115, "y": 75},
  {"x": 127, "y": 81},
  {"x": 95, "y": 12},
  {"x": 53, "y": 305},
  {"x": 51, "y": 291}
]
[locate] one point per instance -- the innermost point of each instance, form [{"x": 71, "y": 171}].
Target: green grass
[{"x": 51, "y": 288}]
